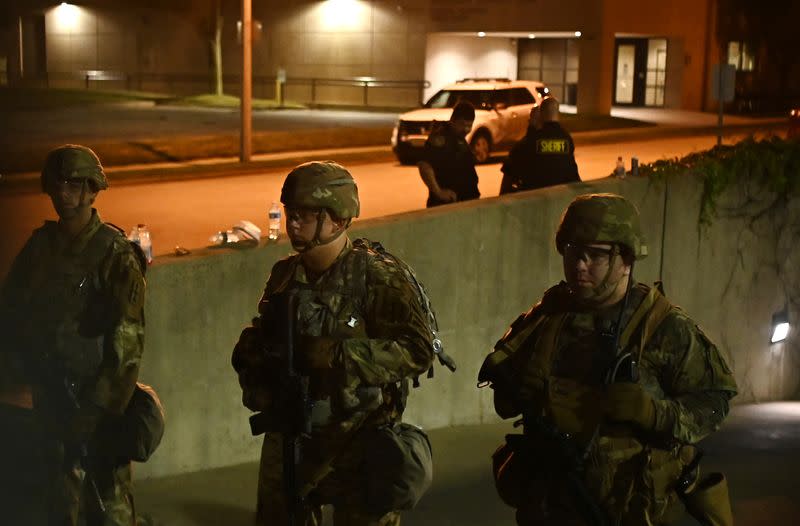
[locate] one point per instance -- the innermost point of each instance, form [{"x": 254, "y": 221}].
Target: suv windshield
[{"x": 480, "y": 99}]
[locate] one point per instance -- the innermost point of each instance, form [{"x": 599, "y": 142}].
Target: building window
[
  {"x": 656, "y": 72},
  {"x": 740, "y": 55}
]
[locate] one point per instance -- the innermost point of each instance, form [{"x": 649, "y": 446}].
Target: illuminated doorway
[{"x": 640, "y": 66}]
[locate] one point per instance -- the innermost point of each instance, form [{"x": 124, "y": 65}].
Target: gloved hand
[
  {"x": 248, "y": 352},
  {"x": 630, "y": 402},
  {"x": 317, "y": 352},
  {"x": 82, "y": 425}
]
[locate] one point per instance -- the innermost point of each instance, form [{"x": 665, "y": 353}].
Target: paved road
[
  {"x": 186, "y": 213},
  {"x": 758, "y": 449}
]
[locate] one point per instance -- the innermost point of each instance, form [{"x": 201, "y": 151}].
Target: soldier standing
[
  {"x": 615, "y": 386},
  {"x": 361, "y": 331},
  {"x": 544, "y": 157},
  {"x": 73, "y": 325},
  {"x": 448, "y": 165}
]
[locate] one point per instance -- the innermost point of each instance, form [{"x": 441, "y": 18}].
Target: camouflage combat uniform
[
  {"x": 371, "y": 310},
  {"x": 680, "y": 367},
  {"x": 74, "y": 308},
  {"x": 555, "y": 364}
]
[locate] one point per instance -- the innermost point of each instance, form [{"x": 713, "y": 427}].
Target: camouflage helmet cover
[
  {"x": 602, "y": 218},
  {"x": 73, "y": 161},
  {"x": 322, "y": 184}
]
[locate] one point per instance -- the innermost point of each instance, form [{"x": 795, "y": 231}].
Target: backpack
[
  {"x": 137, "y": 249},
  {"x": 375, "y": 249}
]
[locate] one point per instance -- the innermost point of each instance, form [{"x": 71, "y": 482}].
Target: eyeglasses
[
  {"x": 71, "y": 185},
  {"x": 589, "y": 254},
  {"x": 301, "y": 215}
]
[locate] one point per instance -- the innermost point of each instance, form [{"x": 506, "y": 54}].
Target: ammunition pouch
[
  {"x": 514, "y": 477},
  {"x": 398, "y": 465},
  {"x": 709, "y": 502},
  {"x": 509, "y": 474}
]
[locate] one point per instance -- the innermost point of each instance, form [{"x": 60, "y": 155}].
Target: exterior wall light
[
  {"x": 531, "y": 35},
  {"x": 66, "y": 17},
  {"x": 577, "y": 33},
  {"x": 780, "y": 326},
  {"x": 481, "y": 34}
]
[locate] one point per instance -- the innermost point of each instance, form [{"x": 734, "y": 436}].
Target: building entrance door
[{"x": 640, "y": 71}]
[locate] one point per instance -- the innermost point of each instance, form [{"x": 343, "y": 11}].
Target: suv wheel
[{"x": 481, "y": 145}]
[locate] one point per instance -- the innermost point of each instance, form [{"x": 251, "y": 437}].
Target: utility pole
[{"x": 246, "y": 105}]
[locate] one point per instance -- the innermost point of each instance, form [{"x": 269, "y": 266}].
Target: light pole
[{"x": 246, "y": 105}]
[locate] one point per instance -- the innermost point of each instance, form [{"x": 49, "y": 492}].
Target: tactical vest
[
  {"x": 339, "y": 312},
  {"x": 67, "y": 309},
  {"x": 575, "y": 409}
]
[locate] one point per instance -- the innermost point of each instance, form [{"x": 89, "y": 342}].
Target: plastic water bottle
[
  {"x": 145, "y": 241},
  {"x": 274, "y": 222},
  {"x": 619, "y": 171},
  {"x": 141, "y": 236},
  {"x": 243, "y": 231},
  {"x": 222, "y": 238}
]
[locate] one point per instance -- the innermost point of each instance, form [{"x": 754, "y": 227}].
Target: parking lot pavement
[{"x": 758, "y": 448}]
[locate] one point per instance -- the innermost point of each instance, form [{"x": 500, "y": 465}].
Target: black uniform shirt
[
  {"x": 453, "y": 164},
  {"x": 544, "y": 157}
]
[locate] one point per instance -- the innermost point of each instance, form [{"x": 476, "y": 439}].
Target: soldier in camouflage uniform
[
  {"x": 621, "y": 376},
  {"x": 73, "y": 328},
  {"x": 361, "y": 332}
]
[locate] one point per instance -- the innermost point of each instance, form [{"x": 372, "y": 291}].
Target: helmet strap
[
  {"x": 318, "y": 241},
  {"x": 604, "y": 285}
]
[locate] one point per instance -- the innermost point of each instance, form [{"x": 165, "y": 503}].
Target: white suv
[{"x": 502, "y": 109}]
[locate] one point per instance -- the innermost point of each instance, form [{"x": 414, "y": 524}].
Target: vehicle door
[
  {"x": 522, "y": 102},
  {"x": 506, "y": 115}
]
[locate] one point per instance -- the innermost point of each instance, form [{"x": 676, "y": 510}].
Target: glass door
[
  {"x": 640, "y": 68},
  {"x": 626, "y": 60}
]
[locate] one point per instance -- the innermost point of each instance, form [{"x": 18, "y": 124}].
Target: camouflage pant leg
[
  {"x": 271, "y": 507},
  {"x": 345, "y": 487},
  {"x": 114, "y": 485}
]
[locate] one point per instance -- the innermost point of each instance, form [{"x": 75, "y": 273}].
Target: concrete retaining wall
[{"x": 483, "y": 263}]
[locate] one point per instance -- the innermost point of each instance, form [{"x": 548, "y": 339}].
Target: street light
[
  {"x": 246, "y": 101},
  {"x": 780, "y": 326}
]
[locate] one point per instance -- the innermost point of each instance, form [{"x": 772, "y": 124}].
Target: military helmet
[
  {"x": 602, "y": 218},
  {"x": 322, "y": 184},
  {"x": 73, "y": 161}
]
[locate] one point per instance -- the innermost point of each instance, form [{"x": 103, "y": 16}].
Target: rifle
[
  {"x": 290, "y": 414},
  {"x": 568, "y": 459},
  {"x": 62, "y": 391}
]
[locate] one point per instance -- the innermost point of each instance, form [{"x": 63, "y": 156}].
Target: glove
[
  {"x": 82, "y": 424},
  {"x": 248, "y": 352},
  {"x": 318, "y": 352},
  {"x": 629, "y": 402}
]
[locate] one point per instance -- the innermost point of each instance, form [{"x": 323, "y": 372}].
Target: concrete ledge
[{"x": 483, "y": 263}]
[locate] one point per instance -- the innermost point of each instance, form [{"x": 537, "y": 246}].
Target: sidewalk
[{"x": 758, "y": 449}]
